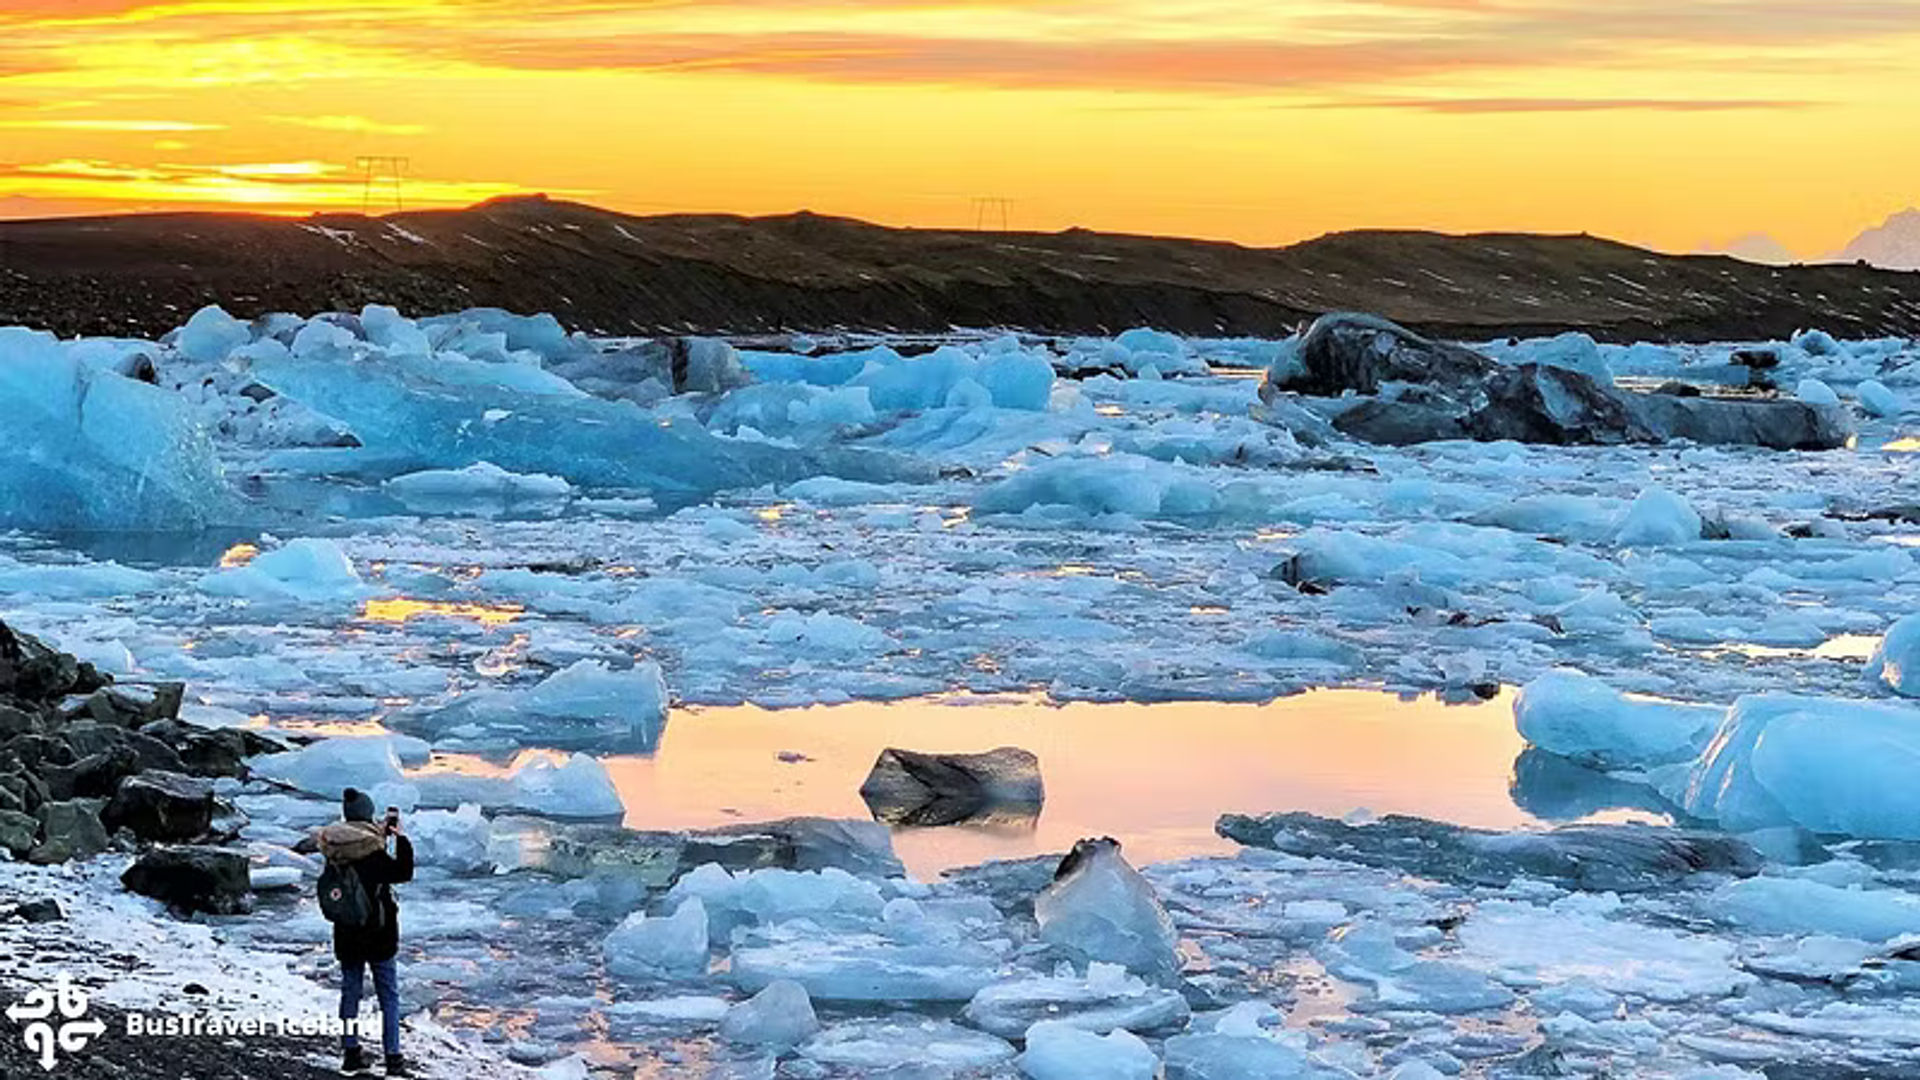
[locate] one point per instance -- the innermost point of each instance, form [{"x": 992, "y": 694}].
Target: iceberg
[
  {"x": 1827, "y": 765},
  {"x": 447, "y": 411},
  {"x": 88, "y": 448}
]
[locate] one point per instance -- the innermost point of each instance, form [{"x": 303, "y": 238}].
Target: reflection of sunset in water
[
  {"x": 1153, "y": 776},
  {"x": 399, "y": 609}
]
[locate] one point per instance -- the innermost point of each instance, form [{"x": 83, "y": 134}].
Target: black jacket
[{"x": 378, "y": 873}]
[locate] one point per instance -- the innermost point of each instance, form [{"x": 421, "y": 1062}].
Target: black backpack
[{"x": 345, "y": 901}]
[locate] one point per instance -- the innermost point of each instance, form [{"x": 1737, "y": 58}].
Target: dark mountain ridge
[{"x": 603, "y": 271}]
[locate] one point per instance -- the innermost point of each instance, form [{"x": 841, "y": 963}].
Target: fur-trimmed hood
[{"x": 346, "y": 841}]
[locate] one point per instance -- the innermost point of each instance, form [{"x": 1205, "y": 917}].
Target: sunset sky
[{"x": 1673, "y": 123}]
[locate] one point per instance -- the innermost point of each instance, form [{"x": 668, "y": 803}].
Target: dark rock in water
[
  {"x": 70, "y": 830},
  {"x": 657, "y": 859},
  {"x": 18, "y": 832},
  {"x": 1677, "y": 389},
  {"x": 909, "y": 788},
  {"x": 863, "y": 848},
  {"x": 1775, "y": 423},
  {"x": 1756, "y": 359},
  {"x": 1400, "y": 423},
  {"x": 205, "y": 879},
  {"x": 1346, "y": 351},
  {"x": 1600, "y": 858},
  {"x": 1437, "y": 390},
  {"x": 163, "y": 806},
  {"x": 1541, "y": 403},
  {"x": 43, "y": 910}
]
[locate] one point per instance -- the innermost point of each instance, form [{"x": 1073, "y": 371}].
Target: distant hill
[
  {"x": 615, "y": 273},
  {"x": 1892, "y": 245}
]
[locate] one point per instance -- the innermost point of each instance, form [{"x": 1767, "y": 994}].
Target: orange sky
[{"x": 1666, "y": 122}]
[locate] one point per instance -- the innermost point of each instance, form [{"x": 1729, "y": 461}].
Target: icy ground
[{"x": 488, "y": 535}]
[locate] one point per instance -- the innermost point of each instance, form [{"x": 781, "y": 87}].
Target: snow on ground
[{"x": 424, "y": 528}]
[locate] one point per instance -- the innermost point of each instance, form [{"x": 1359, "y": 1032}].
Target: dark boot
[
  {"x": 354, "y": 1061},
  {"x": 397, "y": 1065}
]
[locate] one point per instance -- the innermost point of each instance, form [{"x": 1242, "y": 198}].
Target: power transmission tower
[
  {"x": 986, "y": 207},
  {"x": 381, "y": 169}
]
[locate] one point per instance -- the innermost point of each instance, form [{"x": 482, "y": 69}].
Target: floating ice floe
[
  {"x": 481, "y": 488},
  {"x": 306, "y": 570},
  {"x": 1583, "y": 719},
  {"x": 586, "y": 704},
  {"x": 655, "y": 945}
]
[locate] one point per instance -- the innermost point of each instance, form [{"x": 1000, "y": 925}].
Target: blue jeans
[{"x": 386, "y": 986}]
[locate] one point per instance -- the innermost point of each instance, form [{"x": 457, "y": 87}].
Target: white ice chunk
[
  {"x": 1061, "y": 1051},
  {"x": 310, "y": 569},
  {"x": 1658, "y": 517},
  {"x": 643, "y": 946},
  {"x": 1815, "y": 392},
  {"x": 483, "y": 486},
  {"x": 577, "y": 788},
  {"x": 331, "y": 765},
  {"x": 1580, "y": 717},
  {"x": 455, "y": 841},
  {"x": 1877, "y": 399},
  {"x": 1783, "y": 905},
  {"x": 1102, "y": 909},
  {"x": 780, "y": 1015},
  {"x": 210, "y": 335},
  {"x": 1896, "y": 660},
  {"x": 876, "y": 1045},
  {"x": 1107, "y": 999}
]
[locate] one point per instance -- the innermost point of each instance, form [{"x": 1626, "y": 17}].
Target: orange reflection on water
[
  {"x": 398, "y": 609},
  {"x": 238, "y": 555},
  {"x": 1154, "y": 776}
]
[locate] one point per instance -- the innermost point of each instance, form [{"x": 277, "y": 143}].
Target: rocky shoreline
[{"x": 89, "y": 765}]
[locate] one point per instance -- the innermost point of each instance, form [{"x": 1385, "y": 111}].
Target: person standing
[{"x": 356, "y": 895}]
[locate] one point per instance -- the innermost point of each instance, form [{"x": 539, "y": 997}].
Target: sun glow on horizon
[{"x": 1672, "y": 126}]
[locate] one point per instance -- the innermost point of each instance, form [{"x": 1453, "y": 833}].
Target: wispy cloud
[
  {"x": 268, "y": 184},
  {"x": 1475, "y": 106},
  {"x": 158, "y": 127},
  {"x": 351, "y": 125}
]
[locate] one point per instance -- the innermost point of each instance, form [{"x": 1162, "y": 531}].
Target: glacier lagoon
[{"x": 1187, "y": 600}]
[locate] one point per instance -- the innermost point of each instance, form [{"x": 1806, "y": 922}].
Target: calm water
[{"x": 1154, "y": 776}]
